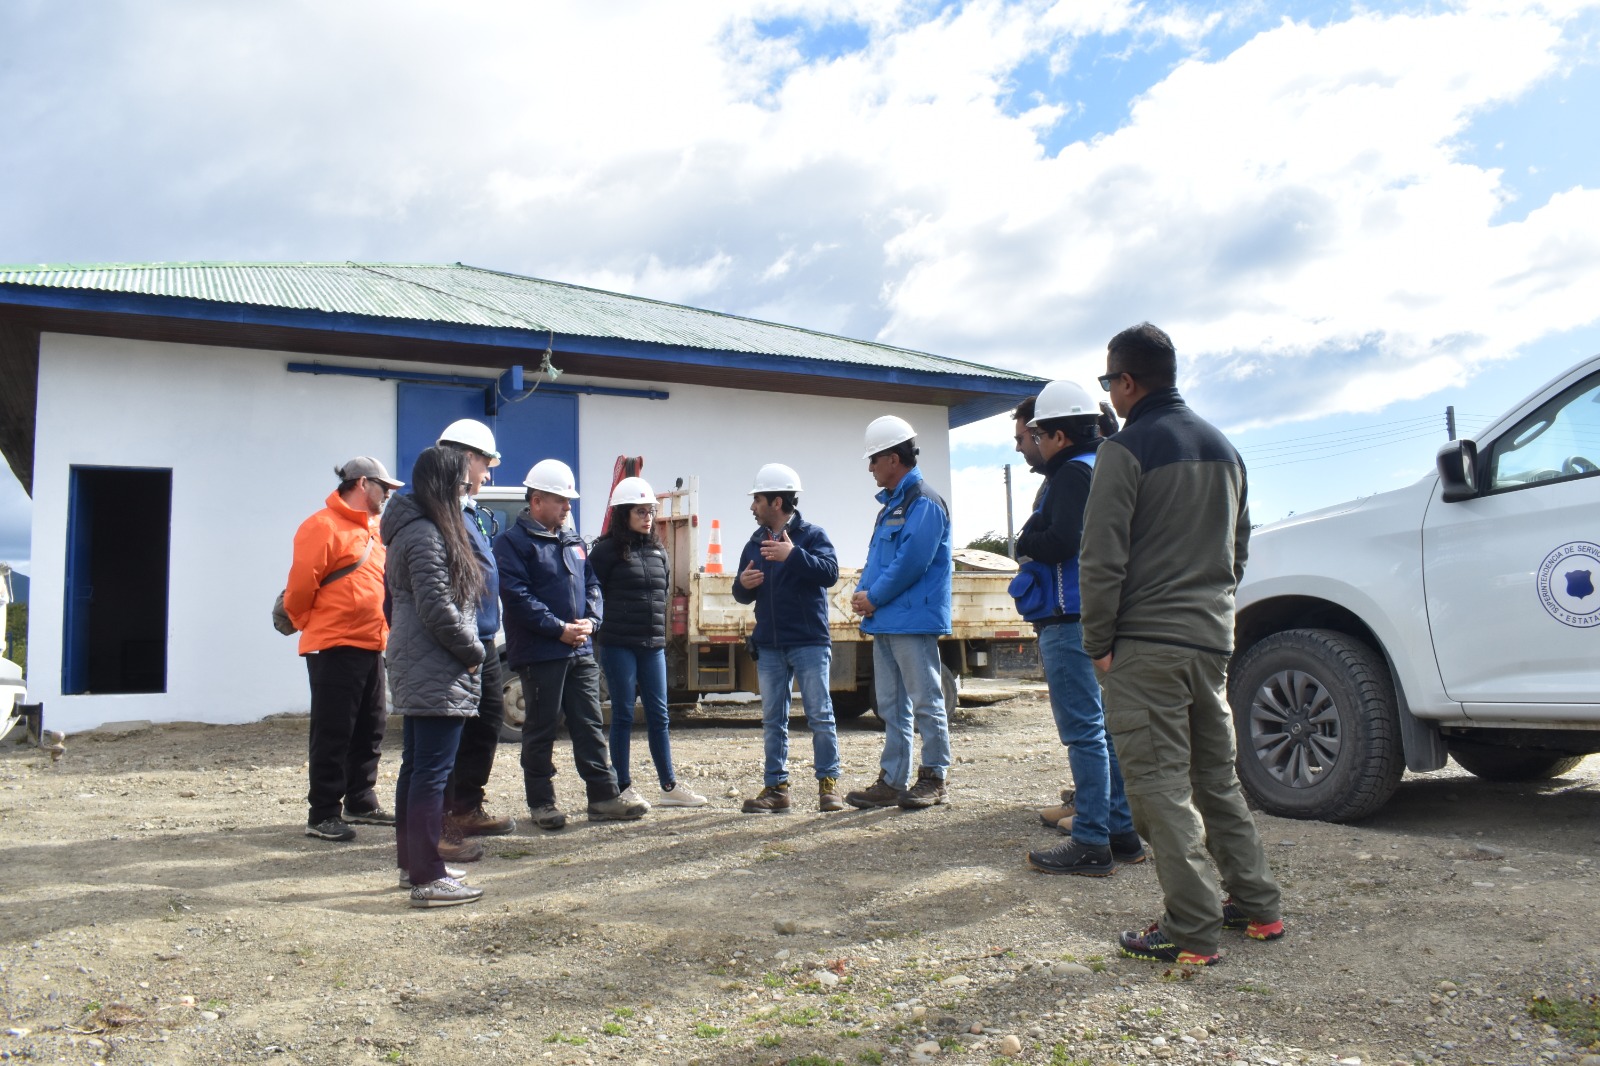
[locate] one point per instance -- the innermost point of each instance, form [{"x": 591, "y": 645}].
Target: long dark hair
[
  {"x": 626, "y": 539},
  {"x": 436, "y": 482}
]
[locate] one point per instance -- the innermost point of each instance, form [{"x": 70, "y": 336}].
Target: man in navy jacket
[
  {"x": 786, "y": 570},
  {"x": 552, "y": 603},
  {"x": 904, "y": 602},
  {"x": 480, "y": 735}
]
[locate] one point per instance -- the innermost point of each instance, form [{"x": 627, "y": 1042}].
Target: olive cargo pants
[{"x": 1167, "y": 713}]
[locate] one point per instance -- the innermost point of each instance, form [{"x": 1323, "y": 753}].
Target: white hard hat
[
  {"x": 1063, "y": 399},
  {"x": 631, "y": 490},
  {"x": 473, "y": 434},
  {"x": 775, "y": 477},
  {"x": 552, "y": 475},
  {"x": 884, "y": 433}
]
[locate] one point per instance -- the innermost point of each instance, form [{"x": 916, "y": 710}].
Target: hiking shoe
[
  {"x": 774, "y": 799},
  {"x": 480, "y": 823},
  {"x": 330, "y": 829},
  {"x": 617, "y": 809},
  {"x": 681, "y": 795},
  {"x": 631, "y": 794},
  {"x": 453, "y": 847},
  {"x": 548, "y": 817},
  {"x": 828, "y": 798},
  {"x": 454, "y": 873},
  {"x": 1234, "y": 918},
  {"x": 878, "y": 794},
  {"x": 376, "y": 816},
  {"x": 1064, "y": 827},
  {"x": 1127, "y": 849},
  {"x": 1085, "y": 860},
  {"x": 1153, "y": 945},
  {"x": 1054, "y": 815},
  {"x": 926, "y": 791},
  {"x": 445, "y": 892}
]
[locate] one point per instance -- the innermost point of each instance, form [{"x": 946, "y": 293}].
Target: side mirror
[{"x": 1458, "y": 471}]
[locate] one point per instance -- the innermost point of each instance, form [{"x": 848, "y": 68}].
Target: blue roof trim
[{"x": 990, "y": 395}]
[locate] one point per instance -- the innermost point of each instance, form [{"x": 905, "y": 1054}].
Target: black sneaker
[
  {"x": 1235, "y": 918},
  {"x": 1085, "y": 860},
  {"x": 376, "y": 816},
  {"x": 1127, "y": 849},
  {"x": 1153, "y": 945},
  {"x": 330, "y": 829}
]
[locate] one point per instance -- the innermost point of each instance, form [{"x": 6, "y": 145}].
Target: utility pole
[
  {"x": 1011, "y": 537},
  {"x": 1450, "y": 422}
]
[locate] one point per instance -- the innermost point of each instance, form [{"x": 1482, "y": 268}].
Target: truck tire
[
  {"x": 1318, "y": 734},
  {"x": 517, "y": 707},
  {"x": 848, "y": 706},
  {"x": 1493, "y": 763},
  {"x": 851, "y": 705}
]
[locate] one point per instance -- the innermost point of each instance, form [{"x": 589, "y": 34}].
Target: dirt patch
[{"x": 162, "y": 905}]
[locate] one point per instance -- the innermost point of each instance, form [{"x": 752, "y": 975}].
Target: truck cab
[{"x": 1458, "y": 617}]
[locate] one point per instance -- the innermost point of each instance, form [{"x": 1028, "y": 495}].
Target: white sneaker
[
  {"x": 681, "y": 795},
  {"x": 455, "y": 873},
  {"x": 445, "y": 892},
  {"x": 631, "y": 794}
]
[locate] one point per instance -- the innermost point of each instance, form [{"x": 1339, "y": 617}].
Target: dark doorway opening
[{"x": 119, "y": 537}]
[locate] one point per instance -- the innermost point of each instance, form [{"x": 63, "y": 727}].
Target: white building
[{"x": 174, "y": 423}]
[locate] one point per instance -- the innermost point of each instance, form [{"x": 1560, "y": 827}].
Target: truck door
[{"x": 1512, "y": 575}]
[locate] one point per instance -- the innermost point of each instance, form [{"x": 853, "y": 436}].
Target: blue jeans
[
  {"x": 778, "y": 667},
  {"x": 1102, "y": 805},
  {"x": 906, "y": 673},
  {"x": 644, "y": 669},
  {"x": 428, "y": 755}
]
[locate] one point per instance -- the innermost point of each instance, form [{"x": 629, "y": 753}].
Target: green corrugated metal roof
[{"x": 472, "y": 296}]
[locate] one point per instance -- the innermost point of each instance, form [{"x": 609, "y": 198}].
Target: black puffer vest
[{"x": 634, "y": 591}]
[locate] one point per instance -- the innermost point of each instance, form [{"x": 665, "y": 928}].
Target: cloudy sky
[{"x": 1347, "y": 216}]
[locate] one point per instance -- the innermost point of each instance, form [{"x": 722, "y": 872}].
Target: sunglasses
[{"x": 1106, "y": 380}]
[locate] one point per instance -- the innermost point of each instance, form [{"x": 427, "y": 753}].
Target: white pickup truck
[{"x": 1457, "y": 617}]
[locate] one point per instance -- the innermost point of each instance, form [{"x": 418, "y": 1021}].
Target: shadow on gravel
[{"x": 1562, "y": 815}]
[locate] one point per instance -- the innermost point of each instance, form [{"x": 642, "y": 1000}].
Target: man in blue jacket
[
  {"x": 786, "y": 570},
  {"x": 903, "y": 599},
  {"x": 480, "y": 735},
  {"x": 552, "y": 603},
  {"x": 1066, "y": 427}
]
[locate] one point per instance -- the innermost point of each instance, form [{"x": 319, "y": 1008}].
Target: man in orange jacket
[{"x": 334, "y": 597}]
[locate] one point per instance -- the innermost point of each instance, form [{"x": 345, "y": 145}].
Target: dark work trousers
[
  {"x": 480, "y": 737},
  {"x": 425, "y": 761},
  {"x": 347, "y": 720},
  {"x": 564, "y": 689}
]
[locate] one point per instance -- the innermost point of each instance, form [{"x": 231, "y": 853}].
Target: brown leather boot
[
  {"x": 455, "y": 847},
  {"x": 774, "y": 799},
  {"x": 878, "y": 794},
  {"x": 828, "y": 798},
  {"x": 926, "y": 791},
  {"x": 480, "y": 823}
]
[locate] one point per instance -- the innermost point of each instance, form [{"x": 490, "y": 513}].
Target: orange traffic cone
[{"x": 714, "y": 549}]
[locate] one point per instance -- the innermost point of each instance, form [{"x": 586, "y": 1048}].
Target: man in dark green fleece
[{"x": 1164, "y": 542}]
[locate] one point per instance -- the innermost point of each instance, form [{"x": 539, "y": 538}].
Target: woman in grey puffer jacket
[{"x": 434, "y": 582}]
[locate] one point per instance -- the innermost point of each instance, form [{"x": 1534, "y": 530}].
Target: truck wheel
[
  {"x": 848, "y": 706},
  {"x": 952, "y": 691},
  {"x": 1314, "y": 715},
  {"x": 1511, "y": 764},
  {"x": 516, "y": 707}
]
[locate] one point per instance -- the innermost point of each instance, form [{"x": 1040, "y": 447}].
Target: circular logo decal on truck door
[{"x": 1569, "y": 584}]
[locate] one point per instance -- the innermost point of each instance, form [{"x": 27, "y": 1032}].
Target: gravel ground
[{"x": 161, "y": 905}]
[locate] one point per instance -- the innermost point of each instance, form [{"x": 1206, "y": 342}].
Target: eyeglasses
[
  {"x": 643, "y": 512},
  {"x": 1106, "y": 379},
  {"x": 1036, "y": 435}
]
